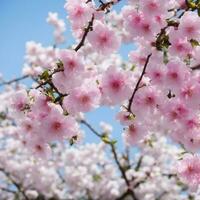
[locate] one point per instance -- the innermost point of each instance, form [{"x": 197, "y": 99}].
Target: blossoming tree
[{"x": 157, "y": 92}]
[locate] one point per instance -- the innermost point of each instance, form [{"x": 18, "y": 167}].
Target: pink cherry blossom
[
  {"x": 125, "y": 118},
  {"x": 176, "y": 73},
  {"x": 190, "y": 93},
  {"x": 115, "y": 85},
  {"x": 189, "y": 170},
  {"x": 175, "y": 110},
  {"x": 190, "y": 25},
  {"x": 71, "y": 61},
  {"x": 155, "y": 93},
  {"x": 19, "y": 101},
  {"x": 191, "y": 140},
  {"x": 146, "y": 99},
  {"x": 59, "y": 127},
  {"x": 82, "y": 99},
  {"x": 140, "y": 25},
  {"x": 134, "y": 133},
  {"x": 179, "y": 45},
  {"x": 132, "y": 20},
  {"x": 39, "y": 148},
  {"x": 156, "y": 73},
  {"x": 103, "y": 39},
  {"x": 79, "y": 12},
  {"x": 181, "y": 4},
  {"x": 153, "y": 7}
]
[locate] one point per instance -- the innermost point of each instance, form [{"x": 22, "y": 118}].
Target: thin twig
[
  {"x": 130, "y": 191},
  {"x": 17, "y": 185},
  {"x": 161, "y": 195},
  {"x": 87, "y": 30},
  {"x": 14, "y": 80},
  {"x": 123, "y": 196},
  {"x": 7, "y": 190},
  {"x": 139, "y": 163},
  {"x": 196, "y": 67},
  {"x": 112, "y": 145},
  {"x": 49, "y": 78},
  {"x": 138, "y": 83},
  {"x": 107, "y": 5},
  {"x": 91, "y": 128}
]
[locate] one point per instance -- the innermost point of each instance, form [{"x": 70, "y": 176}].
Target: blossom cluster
[
  {"x": 59, "y": 25},
  {"x": 158, "y": 89},
  {"x": 88, "y": 170}
]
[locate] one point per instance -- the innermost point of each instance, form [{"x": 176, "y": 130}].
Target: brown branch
[
  {"x": 139, "y": 163},
  {"x": 121, "y": 169},
  {"x": 129, "y": 190},
  {"x": 196, "y": 67},
  {"x": 87, "y": 30},
  {"x": 14, "y": 80},
  {"x": 102, "y": 7},
  {"x": 161, "y": 195},
  {"x": 91, "y": 128},
  {"x": 138, "y": 83},
  {"x": 7, "y": 190},
  {"x": 49, "y": 78},
  {"x": 107, "y": 5},
  {"x": 123, "y": 196},
  {"x": 17, "y": 185}
]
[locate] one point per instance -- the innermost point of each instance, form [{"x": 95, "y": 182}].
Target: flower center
[
  {"x": 115, "y": 84},
  {"x": 56, "y": 126},
  {"x": 85, "y": 99}
]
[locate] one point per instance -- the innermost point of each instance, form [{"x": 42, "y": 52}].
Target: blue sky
[
  {"x": 25, "y": 20},
  {"x": 21, "y": 21}
]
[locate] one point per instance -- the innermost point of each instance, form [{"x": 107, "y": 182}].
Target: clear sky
[{"x": 25, "y": 20}]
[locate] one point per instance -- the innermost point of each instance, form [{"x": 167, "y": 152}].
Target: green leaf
[
  {"x": 97, "y": 81},
  {"x": 191, "y": 197},
  {"x": 191, "y": 4},
  {"x": 49, "y": 93},
  {"x": 2, "y": 116},
  {"x": 65, "y": 113},
  {"x": 132, "y": 67},
  {"x": 194, "y": 43},
  {"x": 131, "y": 117},
  {"x": 105, "y": 139},
  {"x": 44, "y": 75},
  {"x": 165, "y": 56},
  {"x": 113, "y": 141},
  {"x": 96, "y": 177},
  {"x": 172, "y": 23}
]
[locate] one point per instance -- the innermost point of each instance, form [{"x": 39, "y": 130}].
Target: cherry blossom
[
  {"x": 103, "y": 39},
  {"x": 155, "y": 93}
]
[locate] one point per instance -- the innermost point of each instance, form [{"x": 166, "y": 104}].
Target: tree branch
[
  {"x": 138, "y": 83},
  {"x": 14, "y": 80},
  {"x": 17, "y": 185},
  {"x": 87, "y": 30},
  {"x": 129, "y": 190},
  {"x": 196, "y": 67},
  {"x": 91, "y": 128},
  {"x": 121, "y": 169},
  {"x": 107, "y": 5}
]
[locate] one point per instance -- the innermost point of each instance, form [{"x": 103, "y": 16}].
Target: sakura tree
[{"x": 156, "y": 93}]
